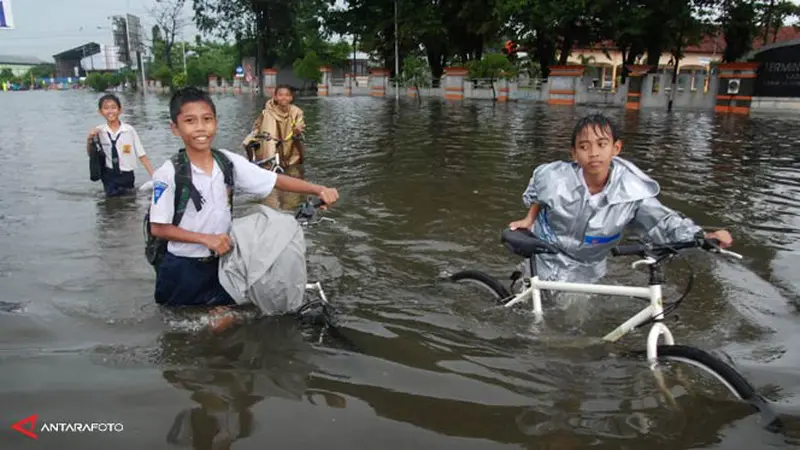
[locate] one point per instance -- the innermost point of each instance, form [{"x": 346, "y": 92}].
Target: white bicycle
[
  {"x": 273, "y": 163},
  {"x": 525, "y": 244},
  {"x": 318, "y": 312}
]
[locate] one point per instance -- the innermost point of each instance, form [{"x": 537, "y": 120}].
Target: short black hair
[
  {"x": 188, "y": 95},
  {"x": 284, "y": 86},
  {"x": 599, "y": 123},
  {"x": 107, "y": 97}
]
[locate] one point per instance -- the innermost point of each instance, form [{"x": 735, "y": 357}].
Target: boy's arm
[
  {"x": 139, "y": 149},
  {"x": 531, "y": 199},
  {"x": 146, "y": 163},
  {"x": 257, "y": 181},
  {"x": 217, "y": 243},
  {"x": 661, "y": 224},
  {"x": 162, "y": 211},
  {"x": 292, "y": 184}
]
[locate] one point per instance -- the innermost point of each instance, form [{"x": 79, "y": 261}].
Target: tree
[
  {"x": 169, "y": 22},
  {"x": 308, "y": 68},
  {"x": 276, "y": 27},
  {"x": 415, "y": 72},
  {"x": 772, "y": 15},
  {"x": 739, "y": 27},
  {"x": 492, "y": 66}
]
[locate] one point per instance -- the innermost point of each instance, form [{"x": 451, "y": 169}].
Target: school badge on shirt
[
  {"x": 126, "y": 149},
  {"x": 158, "y": 188}
]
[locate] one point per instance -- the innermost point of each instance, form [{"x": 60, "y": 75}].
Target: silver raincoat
[
  {"x": 587, "y": 226},
  {"x": 267, "y": 263}
]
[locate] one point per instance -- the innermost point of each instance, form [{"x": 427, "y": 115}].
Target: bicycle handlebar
[
  {"x": 647, "y": 249},
  {"x": 308, "y": 210}
]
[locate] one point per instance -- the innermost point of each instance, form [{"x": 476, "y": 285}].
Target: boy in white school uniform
[
  {"x": 121, "y": 145},
  {"x": 186, "y": 275}
]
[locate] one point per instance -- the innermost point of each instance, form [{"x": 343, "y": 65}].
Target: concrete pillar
[
  {"x": 348, "y": 84},
  {"x": 212, "y": 83},
  {"x": 270, "y": 81},
  {"x": 454, "y": 82},
  {"x": 501, "y": 87},
  {"x": 378, "y": 80},
  {"x": 562, "y": 83},
  {"x": 636, "y": 74},
  {"x": 737, "y": 82},
  {"x": 324, "y": 86}
]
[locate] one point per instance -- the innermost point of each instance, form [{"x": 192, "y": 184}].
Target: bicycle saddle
[{"x": 525, "y": 244}]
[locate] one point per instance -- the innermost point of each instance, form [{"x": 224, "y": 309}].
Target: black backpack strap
[
  {"x": 227, "y": 171},
  {"x": 184, "y": 189}
]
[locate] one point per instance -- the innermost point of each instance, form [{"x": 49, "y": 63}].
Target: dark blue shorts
[
  {"x": 189, "y": 282},
  {"x": 119, "y": 184}
]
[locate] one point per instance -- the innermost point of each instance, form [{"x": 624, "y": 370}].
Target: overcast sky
[{"x": 46, "y": 27}]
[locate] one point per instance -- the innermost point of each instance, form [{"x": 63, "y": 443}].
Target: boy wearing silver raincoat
[{"x": 583, "y": 207}]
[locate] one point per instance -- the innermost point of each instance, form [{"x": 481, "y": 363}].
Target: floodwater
[{"x": 425, "y": 191}]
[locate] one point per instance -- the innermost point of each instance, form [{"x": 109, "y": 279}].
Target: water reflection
[{"x": 228, "y": 373}]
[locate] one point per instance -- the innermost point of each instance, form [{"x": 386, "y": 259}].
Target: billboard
[
  {"x": 6, "y": 17},
  {"x": 779, "y": 72},
  {"x": 128, "y": 38}
]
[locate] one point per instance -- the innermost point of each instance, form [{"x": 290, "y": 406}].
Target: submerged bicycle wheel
[
  {"x": 675, "y": 358},
  {"x": 485, "y": 281}
]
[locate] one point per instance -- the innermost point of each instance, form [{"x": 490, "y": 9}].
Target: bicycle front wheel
[
  {"x": 729, "y": 377},
  {"x": 485, "y": 281}
]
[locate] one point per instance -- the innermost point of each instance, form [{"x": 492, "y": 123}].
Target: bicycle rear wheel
[
  {"x": 729, "y": 377},
  {"x": 483, "y": 280}
]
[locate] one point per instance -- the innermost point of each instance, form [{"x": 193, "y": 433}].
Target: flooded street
[{"x": 425, "y": 191}]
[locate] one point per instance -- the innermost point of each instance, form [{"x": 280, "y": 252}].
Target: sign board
[
  {"x": 239, "y": 72},
  {"x": 6, "y": 17},
  {"x": 779, "y": 72}
]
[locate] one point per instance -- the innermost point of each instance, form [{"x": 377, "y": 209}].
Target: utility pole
[{"x": 396, "y": 57}]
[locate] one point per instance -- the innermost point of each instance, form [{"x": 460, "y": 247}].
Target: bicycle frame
[
  {"x": 317, "y": 287},
  {"x": 276, "y": 163},
  {"x": 654, "y": 310}
]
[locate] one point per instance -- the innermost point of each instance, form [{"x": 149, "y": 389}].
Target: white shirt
[
  {"x": 129, "y": 147},
  {"x": 215, "y": 215}
]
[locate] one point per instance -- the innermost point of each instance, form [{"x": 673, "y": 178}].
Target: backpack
[
  {"x": 155, "y": 248},
  {"x": 97, "y": 160}
]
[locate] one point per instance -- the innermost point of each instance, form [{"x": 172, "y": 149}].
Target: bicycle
[
  {"x": 306, "y": 214},
  {"x": 273, "y": 163},
  {"x": 523, "y": 243}
]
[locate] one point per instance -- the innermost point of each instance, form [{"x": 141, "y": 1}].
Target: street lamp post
[{"x": 396, "y": 57}]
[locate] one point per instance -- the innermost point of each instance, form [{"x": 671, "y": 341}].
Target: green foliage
[
  {"x": 307, "y": 68},
  {"x": 6, "y": 75},
  {"x": 492, "y": 66},
  {"x": 415, "y": 72},
  {"x": 101, "y": 82},
  {"x": 164, "y": 75},
  {"x": 178, "y": 80},
  {"x": 467, "y": 32}
]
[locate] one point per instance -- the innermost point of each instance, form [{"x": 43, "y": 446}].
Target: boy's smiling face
[
  {"x": 197, "y": 126},
  {"x": 110, "y": 110},
  {"x": 594, "y": 149},
  {"x": 283, "y": 97}
]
